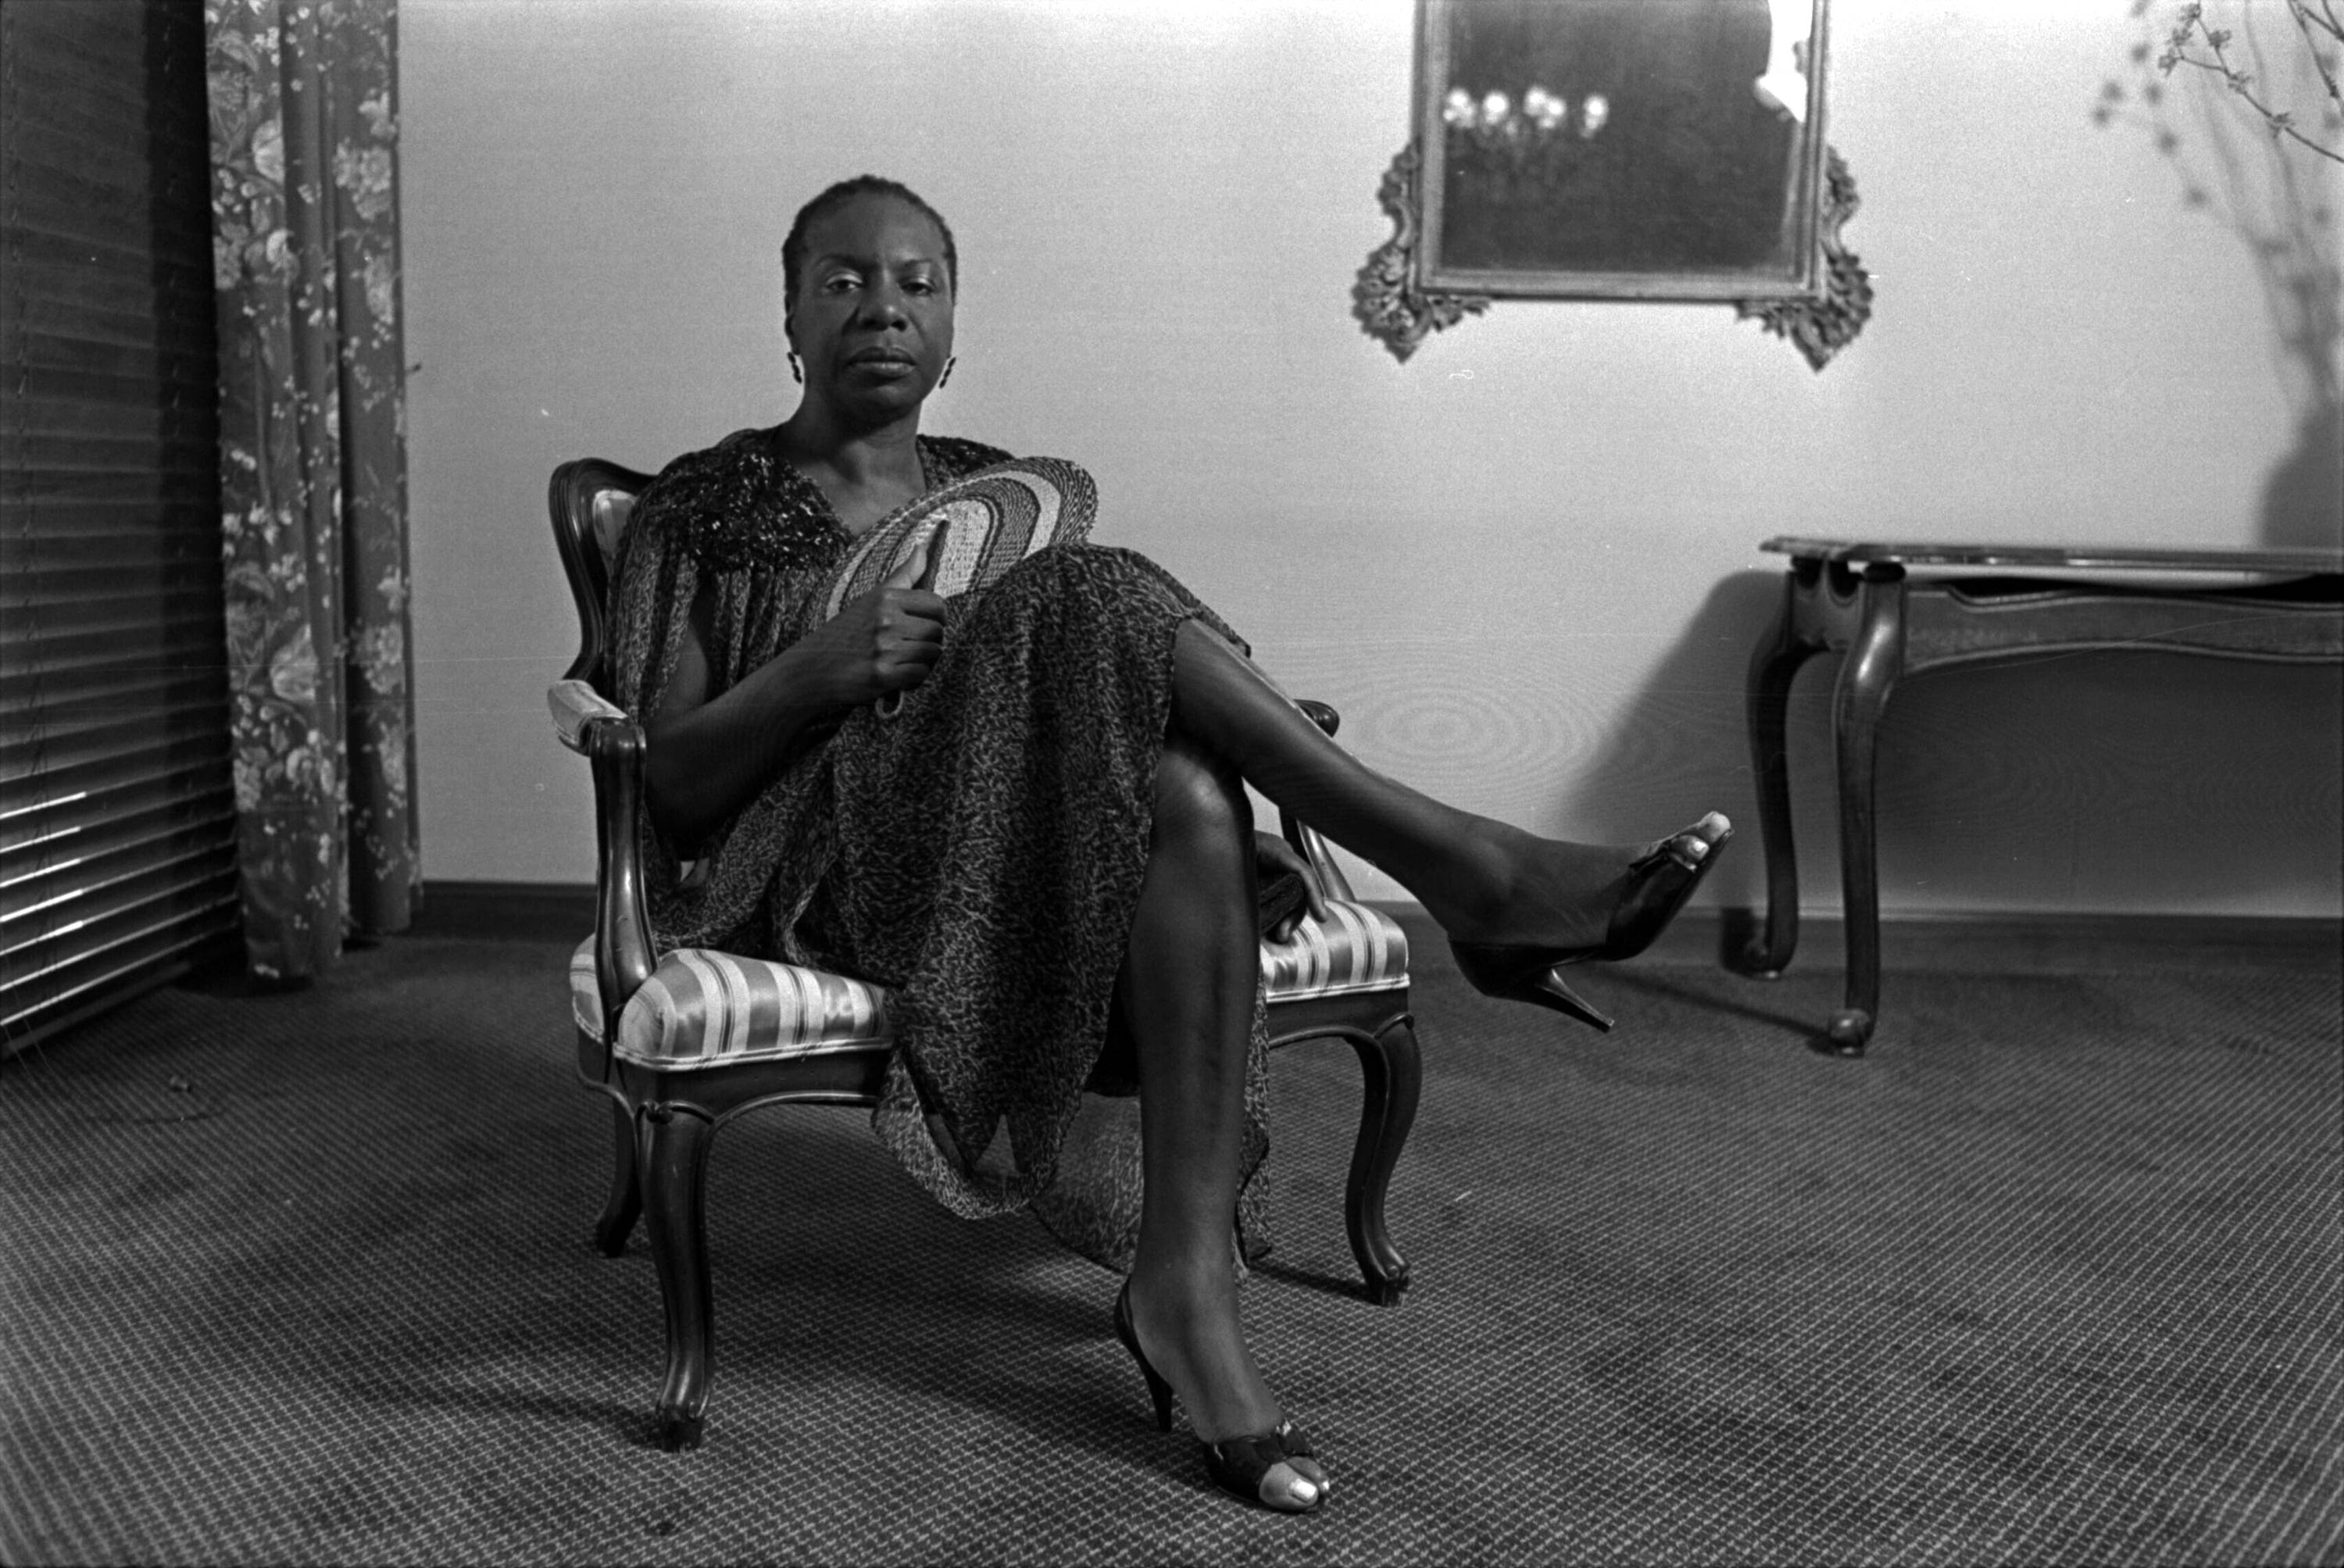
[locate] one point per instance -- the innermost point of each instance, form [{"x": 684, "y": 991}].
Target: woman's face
[{"x": 873, "y": 320}]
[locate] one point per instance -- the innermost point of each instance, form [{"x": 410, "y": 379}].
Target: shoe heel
[
  {"x": 1159, "y": 1391},
  {"x": 1549, "y": 991},
  {"x": 1525, "y": 974}
]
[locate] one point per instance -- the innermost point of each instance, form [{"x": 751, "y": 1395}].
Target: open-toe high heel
[
  {"x": 1659, "y": 882},
  {"x": 1276, "y": 1469}
]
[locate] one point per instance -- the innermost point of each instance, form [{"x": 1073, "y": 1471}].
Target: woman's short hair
[{"x": 793, "y": 256}]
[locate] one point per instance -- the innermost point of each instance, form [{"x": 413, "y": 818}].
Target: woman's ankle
[
  {"x": 1191, "y": 1332},
  {"x": 1183, "y": 1288}
]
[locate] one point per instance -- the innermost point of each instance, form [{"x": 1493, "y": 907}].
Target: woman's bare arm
[{"x": 710, "y": 757}]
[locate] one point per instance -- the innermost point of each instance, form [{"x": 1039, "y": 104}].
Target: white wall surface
[{"x": 1524, "y": 563}]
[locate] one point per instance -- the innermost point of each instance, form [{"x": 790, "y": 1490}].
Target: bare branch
[
  {"x": 2301, "y": 15},
  {"x": 2278, "y": 121}
]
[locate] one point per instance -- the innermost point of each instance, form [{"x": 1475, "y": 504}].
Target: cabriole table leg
[
  {"x": 1773, "y": 666},
  {"x": 1865, "y": 682}
]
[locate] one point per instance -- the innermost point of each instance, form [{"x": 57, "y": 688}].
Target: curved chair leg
[
  {"x": 1772, "y": 668},
  {"x": 1865, "y": 680},
  {"x": 625, "y": 1204},
  {"x": 1392, "y": 1071},
  {"x": 676, "y": 1164}
]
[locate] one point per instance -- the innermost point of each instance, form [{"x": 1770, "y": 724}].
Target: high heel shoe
[
  {"x": 1261, "y": 1469},
  {"x": 1659, "y": 882}
]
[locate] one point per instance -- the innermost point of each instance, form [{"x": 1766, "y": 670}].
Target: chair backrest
[{"x": 590, "y": 501}]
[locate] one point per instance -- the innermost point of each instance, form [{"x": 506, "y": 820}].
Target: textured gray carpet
[{"x": 2052, "y": 1276}]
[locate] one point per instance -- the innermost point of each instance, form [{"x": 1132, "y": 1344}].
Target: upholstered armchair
[{"x": 682, "y": 1041}]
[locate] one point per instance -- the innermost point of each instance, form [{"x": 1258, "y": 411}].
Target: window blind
[{"x": 116, "y": 813}]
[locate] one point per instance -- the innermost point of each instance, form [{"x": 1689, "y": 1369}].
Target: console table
[{"x": 1896, "y": 610}]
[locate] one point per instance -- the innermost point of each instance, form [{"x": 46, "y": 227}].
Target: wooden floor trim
[
  {"x": 2015, "y": 940},
  {"x": 518, "y": 911},
  {"x": 2028, "y": 941}
]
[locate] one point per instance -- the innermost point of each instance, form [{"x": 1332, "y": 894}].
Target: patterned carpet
[{"x": 2052, "y": 1276}]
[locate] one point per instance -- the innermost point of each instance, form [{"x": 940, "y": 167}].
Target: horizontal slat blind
[{"x": 117, "y": 820}]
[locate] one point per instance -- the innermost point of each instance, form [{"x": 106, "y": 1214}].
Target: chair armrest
[
  {"x": 601, "y": 732},
  {"x": 575, "y": 705},
  {"x": 1306, "y": 840}
]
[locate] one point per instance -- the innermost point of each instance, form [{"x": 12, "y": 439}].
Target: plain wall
[{"x": 1523, "y": 565}]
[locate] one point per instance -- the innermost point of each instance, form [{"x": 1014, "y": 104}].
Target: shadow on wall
[
  {"x": 2103, "y": 782},
  {"x": 2303, "y": 501},
  {"x": 1679, "y": 748}
]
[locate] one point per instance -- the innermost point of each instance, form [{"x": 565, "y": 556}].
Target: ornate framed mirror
[{"x": 1617, "y": 149}]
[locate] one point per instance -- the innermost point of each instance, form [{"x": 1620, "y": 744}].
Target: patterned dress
[{"x": 979, "y": 851}]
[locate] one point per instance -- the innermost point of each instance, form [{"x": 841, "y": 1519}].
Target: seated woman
[{"x": 1040, "y": 838}]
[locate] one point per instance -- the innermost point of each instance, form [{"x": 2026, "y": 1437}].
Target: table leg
[
  {"x": 1775, "y": 661},
  {"x": 1865, "y": 680}
]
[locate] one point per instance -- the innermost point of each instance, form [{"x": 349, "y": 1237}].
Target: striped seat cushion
[
  {"x": 702, "y": 1007},
  {"x": 1358, "y": 949}
]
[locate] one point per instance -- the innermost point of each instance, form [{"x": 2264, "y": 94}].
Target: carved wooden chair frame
[{"x": 664, "y": 1121}]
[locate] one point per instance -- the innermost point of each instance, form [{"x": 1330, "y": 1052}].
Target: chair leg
[
  {"x": 1393, "y": 1074},
  {"x": 625, "y": 1204},
  {"x": 675, "y": 1165}
]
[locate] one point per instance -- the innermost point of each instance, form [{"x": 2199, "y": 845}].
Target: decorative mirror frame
[{"x": 1406, "y": 291}]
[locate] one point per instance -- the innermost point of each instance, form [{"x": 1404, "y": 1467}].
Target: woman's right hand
[
  {"x": 710, "y": 757},
  {"x": 886, "y": 641}
]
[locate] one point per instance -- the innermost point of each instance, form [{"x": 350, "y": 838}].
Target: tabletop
[{"x": 2061, "y": 557}]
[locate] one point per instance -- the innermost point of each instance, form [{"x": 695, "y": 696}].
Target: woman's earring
[
  {"x": 796, "y": 374},
  {"x": 949, "y": 363}
]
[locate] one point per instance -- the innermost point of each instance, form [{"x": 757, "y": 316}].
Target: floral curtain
[{"x": 313, "y": 470}]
